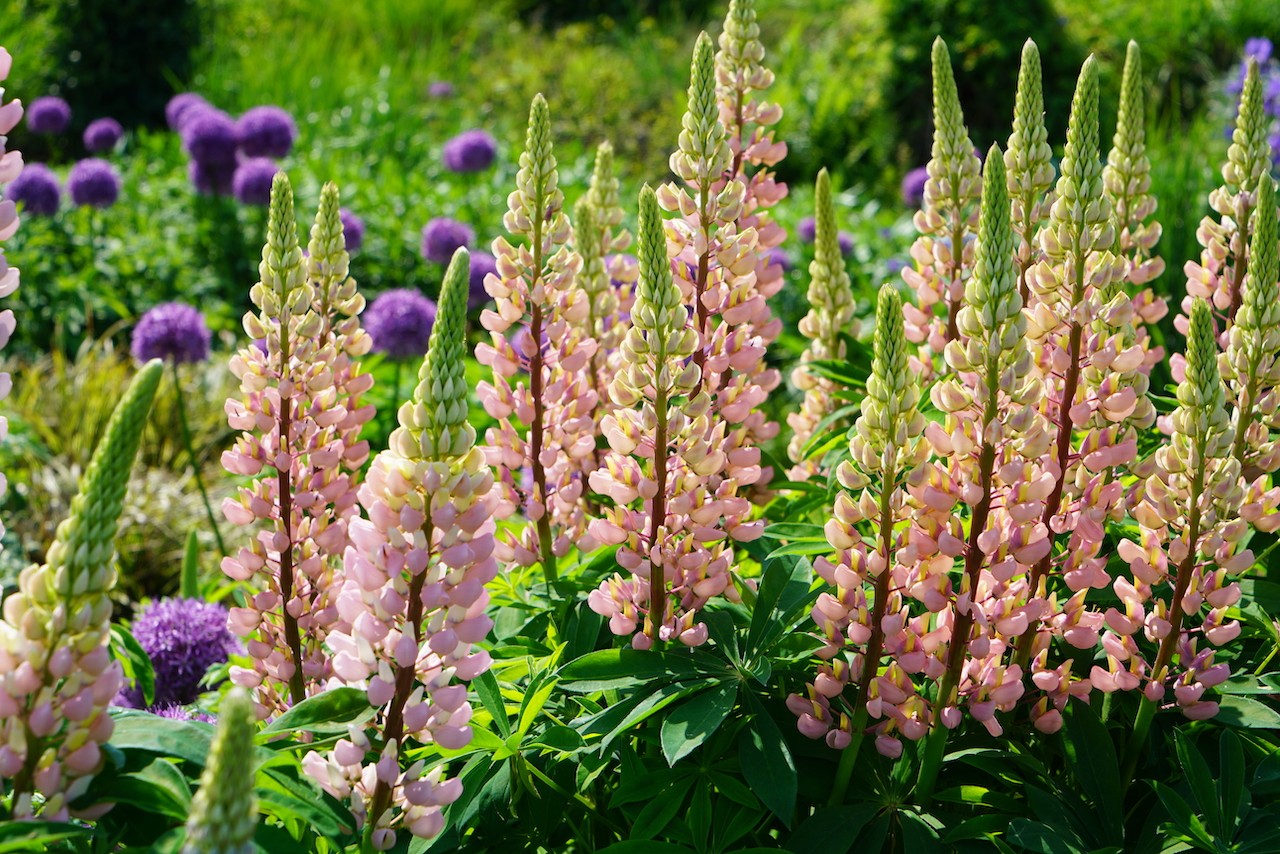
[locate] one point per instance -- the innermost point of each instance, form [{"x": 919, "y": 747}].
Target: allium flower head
[
  {"x": 251, "y": 182},
  {"x": 352, "y": 230},
  {"x": 266, "y": 131},
  {"x": 845, "y": 241},
  {"x": 399, "y": 322},
  {"x": 440, "y": 89},
  {"x": 443, "y": 236},
  {"x": 807, "y": 229},
  {"x": 179, "y": 108},
  {"x": 172, "y": 330},
  {"x": 470, "y": 151},
  {"x": 102, "y": 135},
  {"x": 94, "y": 182},
  {"x": 209, "y": 136},
  {"x": 913, "y": 186},
  {"x": 482, "y": 264},
  {"x": 1259, "y": 48},
  {"x": 37, "y": 188},
  {"x": 184, "y": 638},
  {"x": 49, "y": 115}
]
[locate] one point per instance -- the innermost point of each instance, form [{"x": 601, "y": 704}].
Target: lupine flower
[
  {"x": 212, "y": 179},
  {"x": 209, "y": 136},
  {"x": 224, "y": 811},
  {"x": 352, "y": 230},
  {"x": 440, "y": 89},
  {"x": 266, "y": 131},
  {"x": 59, "y": 677},
  {"x": 10, "y": 171},
  {"x": 251, "y": 182},
  {"x": 48, "y": 115},
  {"x": 483, "y": 265},
  {"x": 94, "y": 182},
  {"x": 414, "y": 596},
  {"x": 179, "y": 106},
  {"x": 173, "y": 331},
  {"x": 913, "y": 186},
  {"x": 102, "y": 135},
  {"x": 830, "y": 316},
  {"x": 1027, "y": 163},
  {"x": 301, "y": 390},
  {"x": 470, "y": 151},
  {"x": 36, "y": 187},
  {"x": 443, "y": 236},
  {"x": 399, "y": 322},
  {"x": 184, "y": 638}
]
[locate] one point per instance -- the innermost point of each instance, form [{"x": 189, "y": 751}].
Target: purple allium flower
[
  {"x": 352, "y": 230},
  {"x": 184, "y": 638},
  {"x": 845, "y": 239},
  {"x": 94, "y": 182},
  {"x": 399, "y": 322},
  {"x": 179, "y": 713},
  {"x": 37, "y": 188},
  {"x": 102, "y": 135},
  {"x": 179, "y": 106},
  {"x": 1259, "y": 47},
  {"x": 212, "y": 178},
  {"x": 442, "y": 237},
  {"x": 470, "y": 151},
  {"x": 209, "y": 136},
  {"x": 894, "y": 264},
  {"x": 913, "y": 186},
  {"x": 482, "y": 264},
  {"x": 807, "y": 229},
  {"x": 172, "y": 330},
  {"x": 266, "y": 131},
  {"x": 252, "y": 181},
  {"x": 440, "y": 89},
  {"x": 49, "y": 114},
  {"x": 777, "y": 255}
]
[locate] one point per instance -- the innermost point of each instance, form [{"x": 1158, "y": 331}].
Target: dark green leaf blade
[{"x": 688, "y": 726}]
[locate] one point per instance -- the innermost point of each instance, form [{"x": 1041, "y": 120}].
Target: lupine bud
[
  {"x": 224, "y": 811},
  {"x": 1027, "y": 161}
]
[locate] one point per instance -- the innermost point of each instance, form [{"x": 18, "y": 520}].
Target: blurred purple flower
[
  {"x": 102, "y": 135},
  {"x": 209, "y": 136},
  {"x": 845, "y": 239},
  {"x": 212, "y": 178},
  {"x": 440, "y": 89},
  {"x": 94, "y": 182},
  {"x": 399, "y": 322},
  {"x": 470, "y": 151},
  {"x": 482, "y": 264},
  {"x": 352, "y": 230},
  {"x": 913, "y": 186},
  {"x": 1259, "y": 48},
  {"x": 171, "y": 330},
  {"x": 777, "y": 255},
  {"x": 180, "y": 713},
  {"x": 251, "y": 182},
  {"x": 807, "y": 229},
  {"x": 175, "y": 112},
  {"x": 266, "y": 131},
  {"x": 441, "y": 238},
  {"x": 894, "y": 264},
  {"x": 49, "y": 114},
  {"x": 37, "y": 188},
  {"x": 184, "y": 638},
  {"x": 1271, "y": 95}
]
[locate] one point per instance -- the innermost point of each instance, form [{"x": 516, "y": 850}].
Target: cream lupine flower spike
[{"x": 224, "y": 811}]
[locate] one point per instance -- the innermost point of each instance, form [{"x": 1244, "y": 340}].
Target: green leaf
[
  {"x": 644, "y": 846},
  {"x": 486, "y": 685},
  {"x": 534, "y": 702},
  {"x": 1235, "y": 710},
  {"x": 1230, "y": 780},
  {"x": 1091, "y": 755},
  {"x": 624, "y": 668},
  {"x": 918, "y": 837},
  {"x": 842, "y": 372},
  {"x": 1044, "y": 839},
  {"x": 1182, "y": 816},
  {"x": 693, "y": 722},
  {"x": 560, "y": 738},
  {"x": 187, "y": 740},
  {"x": 780, "y": 575},
  {"x": 149, "y": 796},
  {"x": 189, "y": 588},
  {"x": 767, "y": 764},
  {"x": 832, "y": 830},
  {"x": 1200, "y": 780},
  {"x": 36, "y": 835},
  {"x": 980, "y": 796},
  {"x": 644, "y": 787},
  {"x": 795, "y": 531},
  {"x": 658, "y": 700},
  {"x": 286, "y": 794},
  {"x": 134, "y": 661},
  {"x": 331, "y": 710},
  {"x": 699, "y": 817},
  {"x": 803, "y": 547},
  {"x": 657, "y": 814}
]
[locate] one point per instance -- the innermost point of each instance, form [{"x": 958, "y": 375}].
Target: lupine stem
[
  {"x": 191, "y": 455},
  {"x": 539, "y": 406},
  {"x": 658, "y": 574}
]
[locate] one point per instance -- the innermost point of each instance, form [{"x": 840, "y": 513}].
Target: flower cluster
[
  {"x": 1260, "y": 50},
  {"x": 183, "y": 638},
  {"x": 102, "y": 135},
  {"x": 399, "y": 322},
  {"x": 174, "y": 331},
  {"x": 48, "y": 115},
  {"x": 470, "y": 151},
  {"x": 232, "y": 156}
]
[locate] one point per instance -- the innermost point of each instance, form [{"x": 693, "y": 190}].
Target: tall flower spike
[
  {"x": 1127, "y": 177},
  {"x": 1028, "y": 164},
  {"x": 224, "y": 811},
  {"x": 538, "y": 293},
  {"x": 830, "y": 316},
  {"x": 58, "y": 674},
  {"x": 414, "y": 597},
  {"x": 10, "y": 169},
  {"x": 944, "y": 251}
]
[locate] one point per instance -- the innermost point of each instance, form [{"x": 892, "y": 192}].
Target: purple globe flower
[
  {"x": 180, "y": 713},
  {"x": 252, "y": 181},
  {"x": 184, "y": 638},
  {"x": 352, "y": 230},
  {"x": 807, "y": 229},
  {"x": 102, "y": 135},
  {"x": 913, "y": 186},
  {"x": 777, "y": 255},
  {"x": 482, "y": 264},
  {"x": 212, "y": 179},
  {"x": 845, "y": 239},
  {"x": 399, "y": 322},
  {"x": 179, "y": 106},
  {"x": 1259, "y": 48},
  {"x": 94, "y": 182},
  {"x": 37, "y": 188},
  {"x": 49, "y": 114},
  {"x": 266, "y": 131},
  {"x": 172, "y": 330},
  {"x": 442, "y": 237},
  {"x": 440, "y": 89},
  {"x": 209, "y": 136},
  {"x": 470, "y": 151},
  {"x": 894, "y": 264}
]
